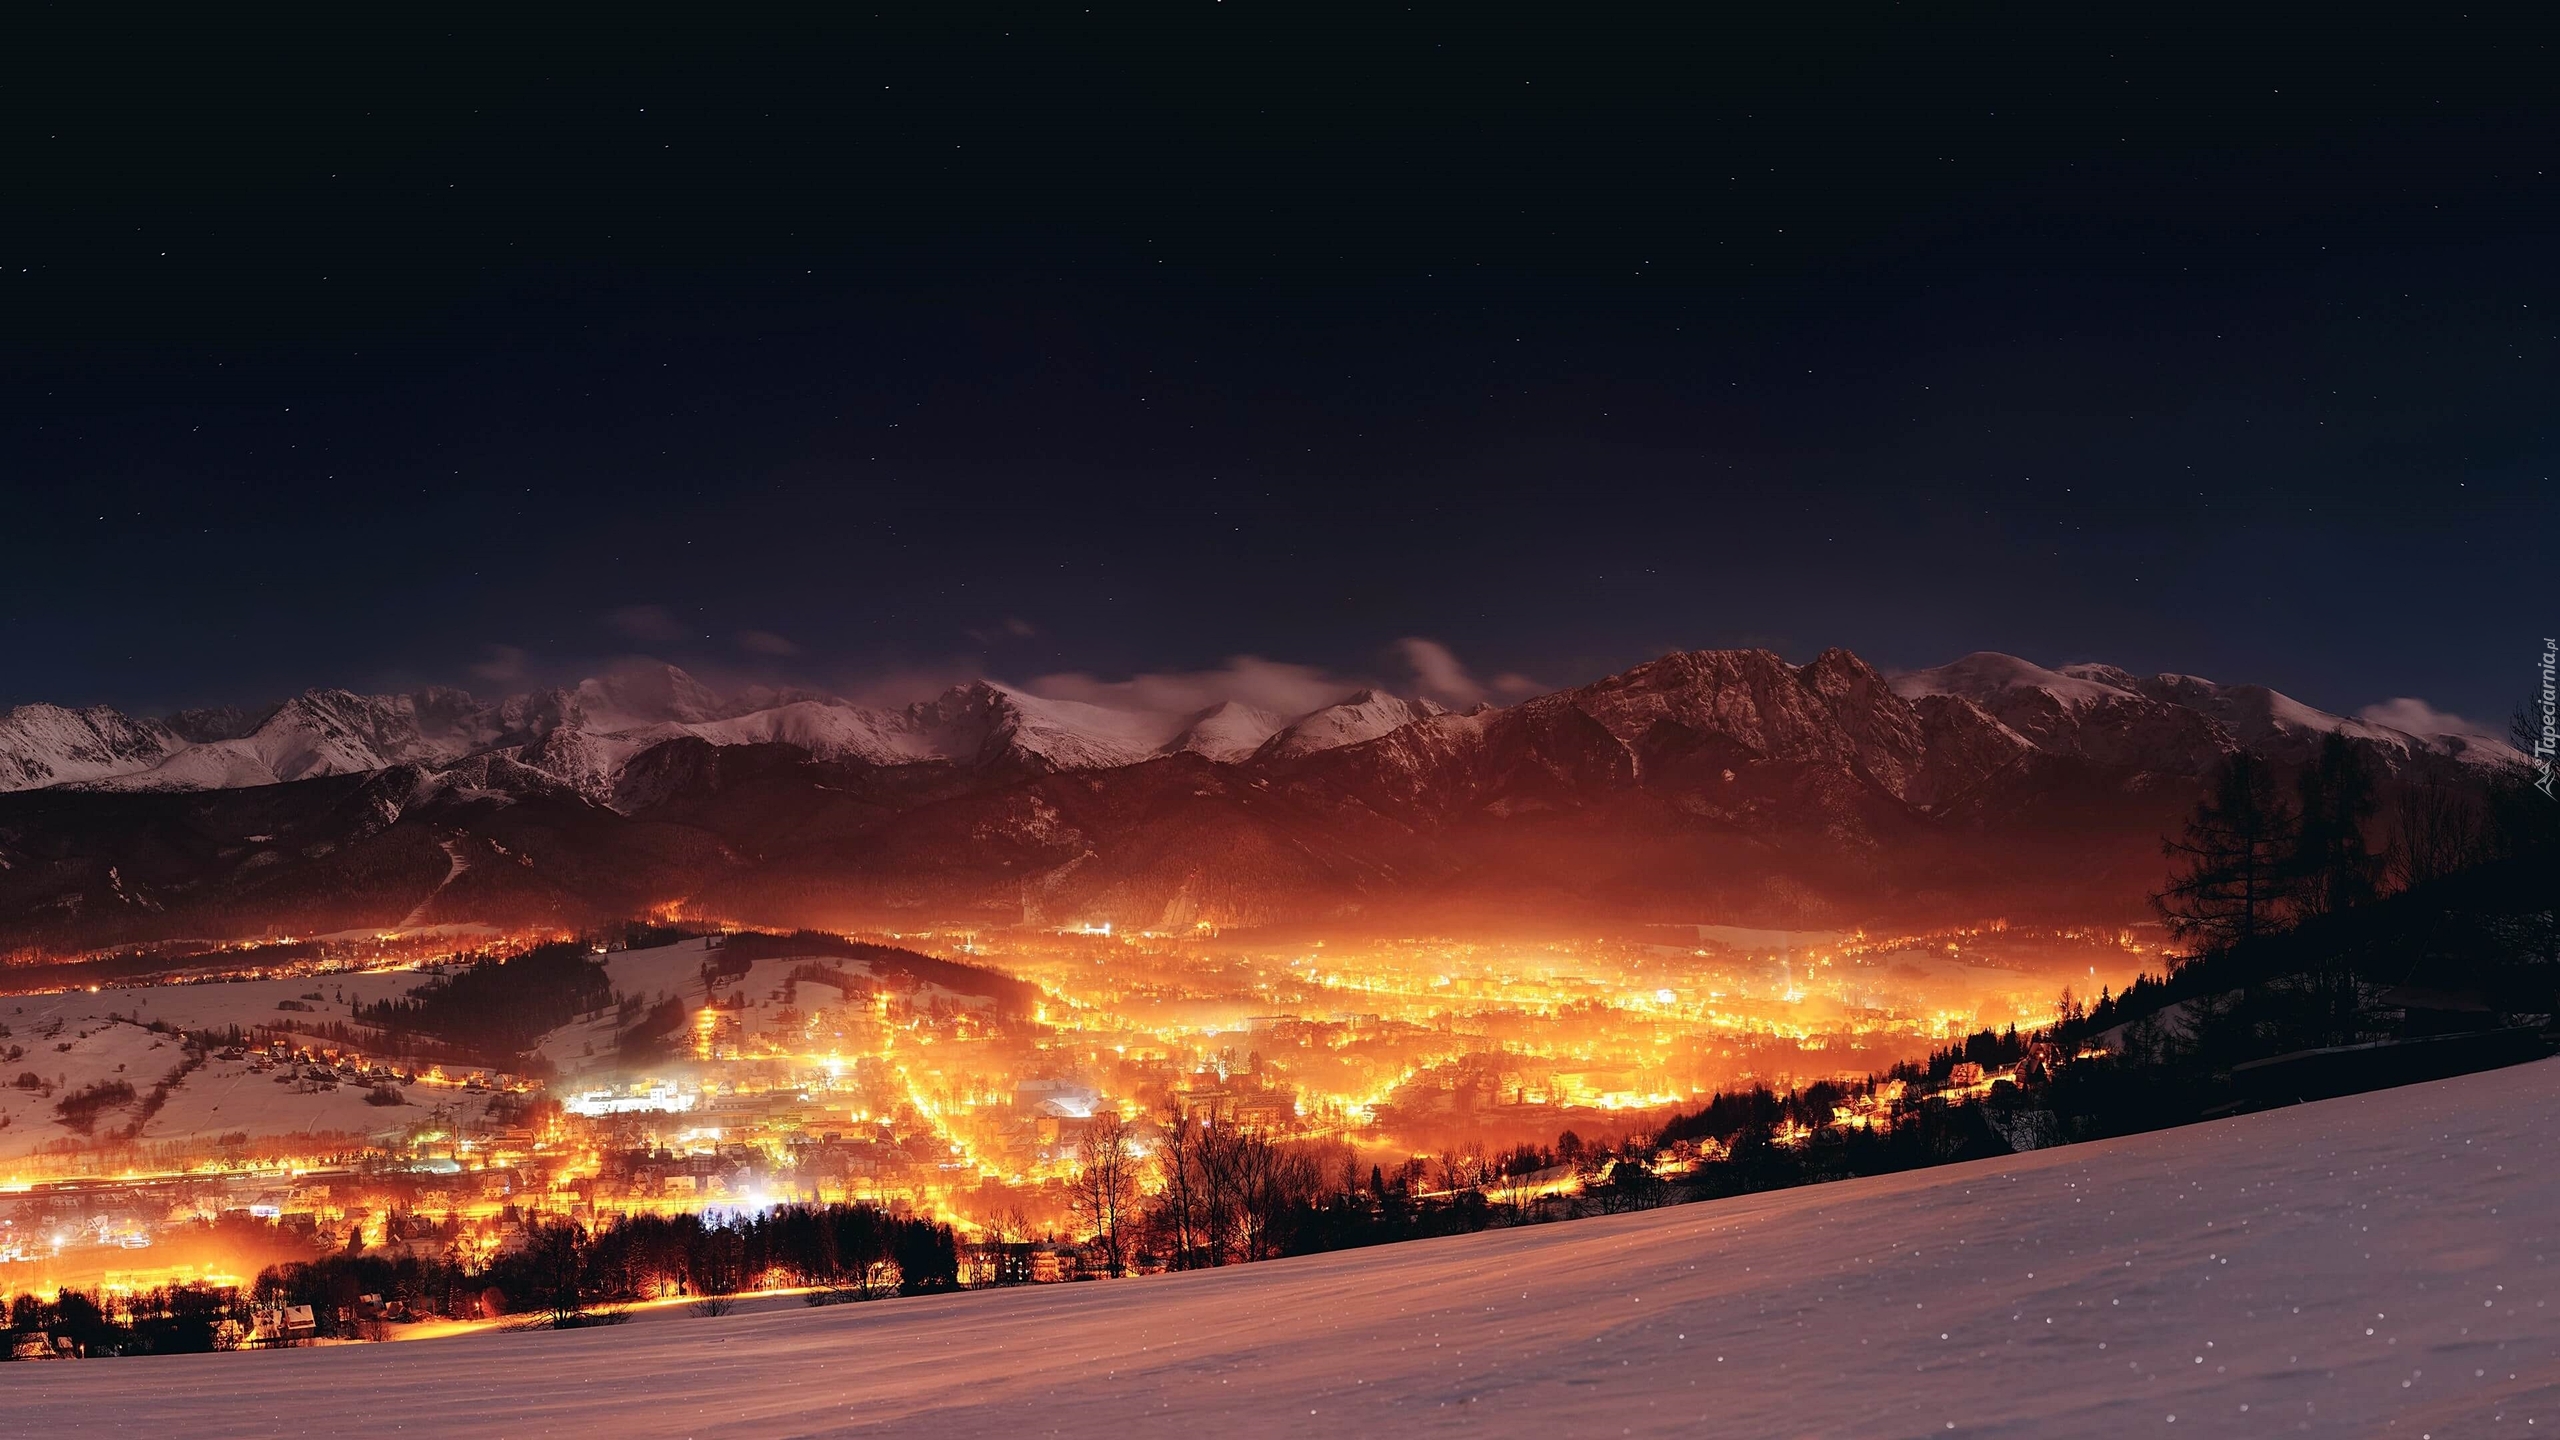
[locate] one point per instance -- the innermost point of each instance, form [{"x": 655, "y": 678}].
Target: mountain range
[
  {"x": 585, "y": 735},
  {"x": 1710, "y": 785}
]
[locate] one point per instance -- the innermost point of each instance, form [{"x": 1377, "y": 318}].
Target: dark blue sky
[{"x": 348, "y": 355}]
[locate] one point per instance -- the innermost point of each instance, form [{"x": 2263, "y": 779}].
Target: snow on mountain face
[
  {"x": 1835, "y": 712},
  {"x": 221, "y": 722},
  {"x": 44, "y": 745},
  {"x": 589, "y": 761},
  {"x": 636, "y": 695},
  {"x": 2259, "y": 717},
  {"x": 1229, "y": 731},
  {"x": 324, "y": 732},
  {"x": 2455, "y": 735},
  {"x": 830, "y": 730},
  {"x": 1986, "y": 677},
  {"x": 1918, "y": 735},
  {"x": 988, "y": 724},
  {"x": 1348, "y": 721},
  {"x": 2163, "y": 721}
]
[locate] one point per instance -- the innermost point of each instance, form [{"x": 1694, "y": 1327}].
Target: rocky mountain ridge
[
  {"x": 584, "y": 734},
  {"x": 1703, "y": 785}
]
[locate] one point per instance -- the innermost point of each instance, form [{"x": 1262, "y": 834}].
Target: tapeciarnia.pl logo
[{"x": 2545, "y": 744}]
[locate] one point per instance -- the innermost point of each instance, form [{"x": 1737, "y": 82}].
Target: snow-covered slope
[
  {"x": 1349, "y": 721},
  {"x": 2368, "y": 1266},
  {"x": 2263, "y": 719},
  {"x": 831, "y": 730},
  {"x": 87, "y": 1037},
  {"x": 2164, "y": 722},
  {"x": 1987, "y": 676},
  {"x": 584, "y": 735},
  {"x": 988, "y": 724},
  {"x": 1227, "y": 731},
  {"x": 326, "y": 732},
  {"x": 49, "y": 745},
  {"x": 634, "y": 695}
]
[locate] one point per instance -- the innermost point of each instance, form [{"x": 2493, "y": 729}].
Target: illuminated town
[{"x": 198, "y": 1130}]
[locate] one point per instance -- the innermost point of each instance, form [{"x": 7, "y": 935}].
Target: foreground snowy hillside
[{"x": 2379, "y": 1264}]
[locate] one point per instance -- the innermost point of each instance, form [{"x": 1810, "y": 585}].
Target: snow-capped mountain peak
[
  {"x": 986, "y": 723},
  {"x": 1228, "y": 731},
  {"x": 2108, "y": 713},
  {"x": 1987, "y": 675},
  {"x": 44, "y": 745},
  {"x": 646, "y": 693},
  {"x": 584, "y": 736},
  {"x": 1361, "y": 716}
]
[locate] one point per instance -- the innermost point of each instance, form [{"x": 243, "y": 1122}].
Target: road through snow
[{"x": 2374, "y": 1265}]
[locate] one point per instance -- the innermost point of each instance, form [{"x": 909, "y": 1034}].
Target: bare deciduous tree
[
  {"x": 1105, "y": 1189},
  {"x": 1182, "y": 1208},
  {"x": 2438, "y": 831}
]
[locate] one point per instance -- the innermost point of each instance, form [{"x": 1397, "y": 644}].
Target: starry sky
[{"x": 869, "y": 351}]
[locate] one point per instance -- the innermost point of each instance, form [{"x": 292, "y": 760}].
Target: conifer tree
[{"x": 2231, "y": 863}]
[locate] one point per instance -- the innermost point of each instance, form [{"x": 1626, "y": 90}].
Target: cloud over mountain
[
  {"x": 1438, "y": 674},
  {"x": 2416, "y": 716}
]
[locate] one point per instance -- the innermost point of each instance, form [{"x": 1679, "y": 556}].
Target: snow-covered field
[
  {"x": 2368, "y": 1266},
  {"x": 69, "y": 1040}
]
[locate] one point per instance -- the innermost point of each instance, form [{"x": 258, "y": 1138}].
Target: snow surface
[
  {"x": 2252, "y": 714},
  {"x": 2378, "y": 1264},
  {"x": 630, "y": 696},
  {"x": 51, "y": 745},
  {"x": 659, "y": 970},
  {"x": 73, "y": 1040},
  {"x": 1071, "y": 734},
  {"x": 1349, "y": 721},
  {"x": 1984, "y": 675},
  {"x": 830, "y": 730},
  {"x": 321, "y": 732},
  {"x": 584, "y": 736},
  {"x": 1228, "y": 731}
]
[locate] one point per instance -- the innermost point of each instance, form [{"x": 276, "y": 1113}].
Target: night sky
[{"x": 1126, "y": 341}]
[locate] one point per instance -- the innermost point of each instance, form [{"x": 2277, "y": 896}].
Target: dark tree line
[
  {"x": 2257, "y": 857},
  {"x": 173, "y": 1320},
  {"x": 2318, "y": 918},
  {"x": 858, "y": 1251},
  {"x": 2250, "y": 858},
  {"x": 2299, "y": 909},
  {"x": 564, "y": 1273},
  {"x": 500, "y": 1008},
  {"x": 1015, "y": 997}
]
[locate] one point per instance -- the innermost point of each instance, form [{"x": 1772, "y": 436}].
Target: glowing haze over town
[{"x": 800, "y": 1072}]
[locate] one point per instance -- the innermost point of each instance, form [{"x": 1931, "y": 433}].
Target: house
[
  {"x": 1053, "y": 1263},
  {"x": 283, "y": 1325}
]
